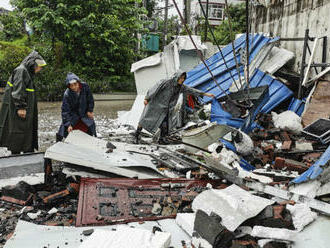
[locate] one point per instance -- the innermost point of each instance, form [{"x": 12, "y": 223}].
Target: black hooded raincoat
[{"x": 16, "y": 133}]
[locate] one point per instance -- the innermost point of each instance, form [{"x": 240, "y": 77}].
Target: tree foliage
[
  {"x": 222, "y": 32},
  {"x": 98, "y": 37},
  {"x": 12, "y": 26}
]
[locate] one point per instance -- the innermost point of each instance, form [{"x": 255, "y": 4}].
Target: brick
[
  {"x": 285, "y": 136},
  {"x": 268, "y": 148},
  {"x": 286, "y": 145},
  {"x": 290, "y": 164}
]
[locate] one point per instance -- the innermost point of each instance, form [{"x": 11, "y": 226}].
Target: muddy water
[{"x": 50, "y": 118}]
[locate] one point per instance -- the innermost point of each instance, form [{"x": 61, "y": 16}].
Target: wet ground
[{"x": 105, "y": 113}]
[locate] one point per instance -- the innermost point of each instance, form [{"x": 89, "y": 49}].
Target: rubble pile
[{"x": 252, "y": 174}]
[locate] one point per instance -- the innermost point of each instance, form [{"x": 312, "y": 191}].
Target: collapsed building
[{"x": 248, "y": 168}]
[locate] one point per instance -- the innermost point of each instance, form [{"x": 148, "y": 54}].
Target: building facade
[{"x": 216, "y": 11}]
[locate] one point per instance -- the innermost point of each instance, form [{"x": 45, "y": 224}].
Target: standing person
[
  {"x": 160, "y": 102},
  {"x": 19, "y": 112},
  {"x": 77, "y": 108}
]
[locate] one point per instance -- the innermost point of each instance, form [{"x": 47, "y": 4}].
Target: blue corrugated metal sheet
[
  {"x": 277, "y": 93},
  {"x": 315, "y": 170},
  {"x": 297, "y": 106},
  {"x": 200, "y": 78}
]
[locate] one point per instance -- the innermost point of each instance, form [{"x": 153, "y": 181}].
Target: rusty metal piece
[
  {"x": 56, "y": 196},
  {"x": 127, "y": 200},
  {"x": 72, "y": 188},
  {"x": 48, "y": 169},
  {"x": 17, "y": 201}
]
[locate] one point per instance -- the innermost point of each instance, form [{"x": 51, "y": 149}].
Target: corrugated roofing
[
  {"x": 200, "y": 78},
  {"x": 315, "y": 170}
]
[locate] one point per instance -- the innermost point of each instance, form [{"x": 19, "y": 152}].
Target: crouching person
[{"x": 77, "y": 108}]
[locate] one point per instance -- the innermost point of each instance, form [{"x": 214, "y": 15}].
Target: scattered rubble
[{"x": 252, "y": 175}]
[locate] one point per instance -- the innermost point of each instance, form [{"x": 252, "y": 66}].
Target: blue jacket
[{"x": 75, "y": 107}]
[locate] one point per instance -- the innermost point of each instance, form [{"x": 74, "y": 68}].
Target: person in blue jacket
[{"x": 77, "y": 108}]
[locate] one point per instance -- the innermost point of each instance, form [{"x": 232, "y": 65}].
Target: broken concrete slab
[
  {"x": 127, "y": 237},
  {"x": 273, "y": 233},
  {"x": 186, "y": 222},
  {"x": 233, "y": 204},
  {"x": 301, "y": 215}
]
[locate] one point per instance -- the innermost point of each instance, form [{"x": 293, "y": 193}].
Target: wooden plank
[{"x": 319, "y": 106}]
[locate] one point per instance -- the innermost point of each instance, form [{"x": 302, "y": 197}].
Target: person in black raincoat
[
  {"x": 19, "y": 112},
  {"x": 160, "y": 101},
  {"x": 77, "y": 108}
]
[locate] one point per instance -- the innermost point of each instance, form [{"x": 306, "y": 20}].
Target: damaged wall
[{"x": 290, "y": 18}]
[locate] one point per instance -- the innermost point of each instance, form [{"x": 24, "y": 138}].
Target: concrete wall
[{"x": 290, "y": 18}]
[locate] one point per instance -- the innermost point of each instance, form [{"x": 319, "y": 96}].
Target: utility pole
[
  {"x": 165, "y": 24},
  {"x": 247, "y": 43},
  {"x": 206, "y": 19}
]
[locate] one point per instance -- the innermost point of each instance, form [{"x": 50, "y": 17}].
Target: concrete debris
[
  {"x": 273, "y": 233},
  {"x": 271, "y": 243},
  {"x": 33, "y": 216},
  {"x": 288, "y": 121},
  {"x": 237, "y": 205},
  {"x": 4, "y": 152},
  {"x": 240, "y": 173},
  {"x": 301, "y": 215},
  {"x": 186, "y": 222}
]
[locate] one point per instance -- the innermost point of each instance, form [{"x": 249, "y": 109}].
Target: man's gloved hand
[{"x": 145, "y": 101}]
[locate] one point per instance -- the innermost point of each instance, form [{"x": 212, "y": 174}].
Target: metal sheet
[
  {"x": 315, "y": 170},
  {"x": 277, "y": 93},
  {"x": 21, "y": 165},
  {"x": 200, "y": 75},
  {"x": 73, "y": 154},
  {"x": 128, "y": 200},
  {"x": 82, "y": 149},
  {"x": 127, "y": 237},
  {"x": 233, "y": 204},
  {"x": 30, "y": 235}
]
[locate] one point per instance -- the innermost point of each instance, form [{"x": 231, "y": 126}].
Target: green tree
[
  {"x": 12, "y": 26},
  {"x": 98, "y": 37}
]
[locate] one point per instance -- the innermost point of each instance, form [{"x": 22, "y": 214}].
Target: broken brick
[
  {"x": 285, "y": 136},
  {"x": 292, "y": 165},
  {"x": 286, "y": 145}
]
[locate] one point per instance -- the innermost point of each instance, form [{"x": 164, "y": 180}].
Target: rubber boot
[{"x": 137, "y": 135}]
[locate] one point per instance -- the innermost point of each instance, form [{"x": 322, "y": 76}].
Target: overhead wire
[
  {"x": 198, "y": 51},
  {"x": 216, "y": 42}
]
